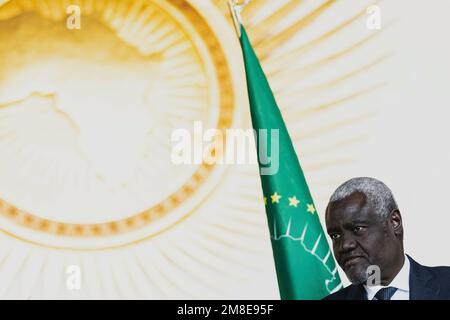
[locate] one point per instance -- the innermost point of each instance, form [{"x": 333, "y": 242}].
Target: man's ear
[{"x": 396, "y": 222}]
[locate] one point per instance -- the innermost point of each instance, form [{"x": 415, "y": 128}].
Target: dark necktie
[{"x": 385, "y": 293}]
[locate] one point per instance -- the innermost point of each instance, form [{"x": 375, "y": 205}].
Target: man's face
[{"x": 360, "y": 237}]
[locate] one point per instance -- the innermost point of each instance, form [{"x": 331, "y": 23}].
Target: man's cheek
[{"x": 336, "y": 255}]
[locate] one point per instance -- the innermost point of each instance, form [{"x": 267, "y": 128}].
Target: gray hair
[{"x": 378, "y": 195}]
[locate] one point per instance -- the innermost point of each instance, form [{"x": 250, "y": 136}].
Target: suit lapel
[{"x": 421, "y": 286}]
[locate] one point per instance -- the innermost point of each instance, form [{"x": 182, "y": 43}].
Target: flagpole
[
  {"x": 301, "y": 261},
  {"x": 236, "y": 9}
]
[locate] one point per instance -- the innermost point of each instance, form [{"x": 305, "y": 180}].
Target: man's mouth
[{"x": 351, "y": 261}]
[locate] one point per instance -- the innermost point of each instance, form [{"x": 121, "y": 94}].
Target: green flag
[{"x": 304, "y": 263}]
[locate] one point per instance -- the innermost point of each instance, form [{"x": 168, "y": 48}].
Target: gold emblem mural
[{"x": 86, "y": 118}]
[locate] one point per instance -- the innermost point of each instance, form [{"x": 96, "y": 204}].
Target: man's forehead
[{"x": 352, "y": 206}]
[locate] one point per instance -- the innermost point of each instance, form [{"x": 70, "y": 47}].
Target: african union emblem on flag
[{"x": 304, "y": 263}]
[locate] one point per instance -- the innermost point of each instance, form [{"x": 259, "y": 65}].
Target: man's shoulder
[
  {"x": 338, "y": 295},
  {"x": 434, "y": 278},
  {"x": 440, "y": 272},
  {"x": 352, "y": 292}
]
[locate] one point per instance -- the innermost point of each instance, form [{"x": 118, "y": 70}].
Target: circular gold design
[{"x": 226, "y": 99}]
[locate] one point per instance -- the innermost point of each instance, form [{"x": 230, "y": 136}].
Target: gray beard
[{"x": 359, "y": 278}]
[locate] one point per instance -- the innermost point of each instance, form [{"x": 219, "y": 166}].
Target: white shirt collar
[{"x": 401, "y": 281}]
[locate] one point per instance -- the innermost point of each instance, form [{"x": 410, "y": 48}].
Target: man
[{"x": 365, "y": 225}]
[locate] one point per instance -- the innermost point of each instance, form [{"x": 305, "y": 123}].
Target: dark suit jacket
[{"x": 425, "y": 283}]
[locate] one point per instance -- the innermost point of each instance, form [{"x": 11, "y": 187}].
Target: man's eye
[
  {"x": 357, "y": 229},
  {"x": 334, "y": 236}
]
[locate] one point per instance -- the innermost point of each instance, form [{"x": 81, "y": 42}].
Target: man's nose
[{"x": 348, "y": 244}]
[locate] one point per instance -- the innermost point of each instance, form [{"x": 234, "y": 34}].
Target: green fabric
[{"x": 304, "y": 263}]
